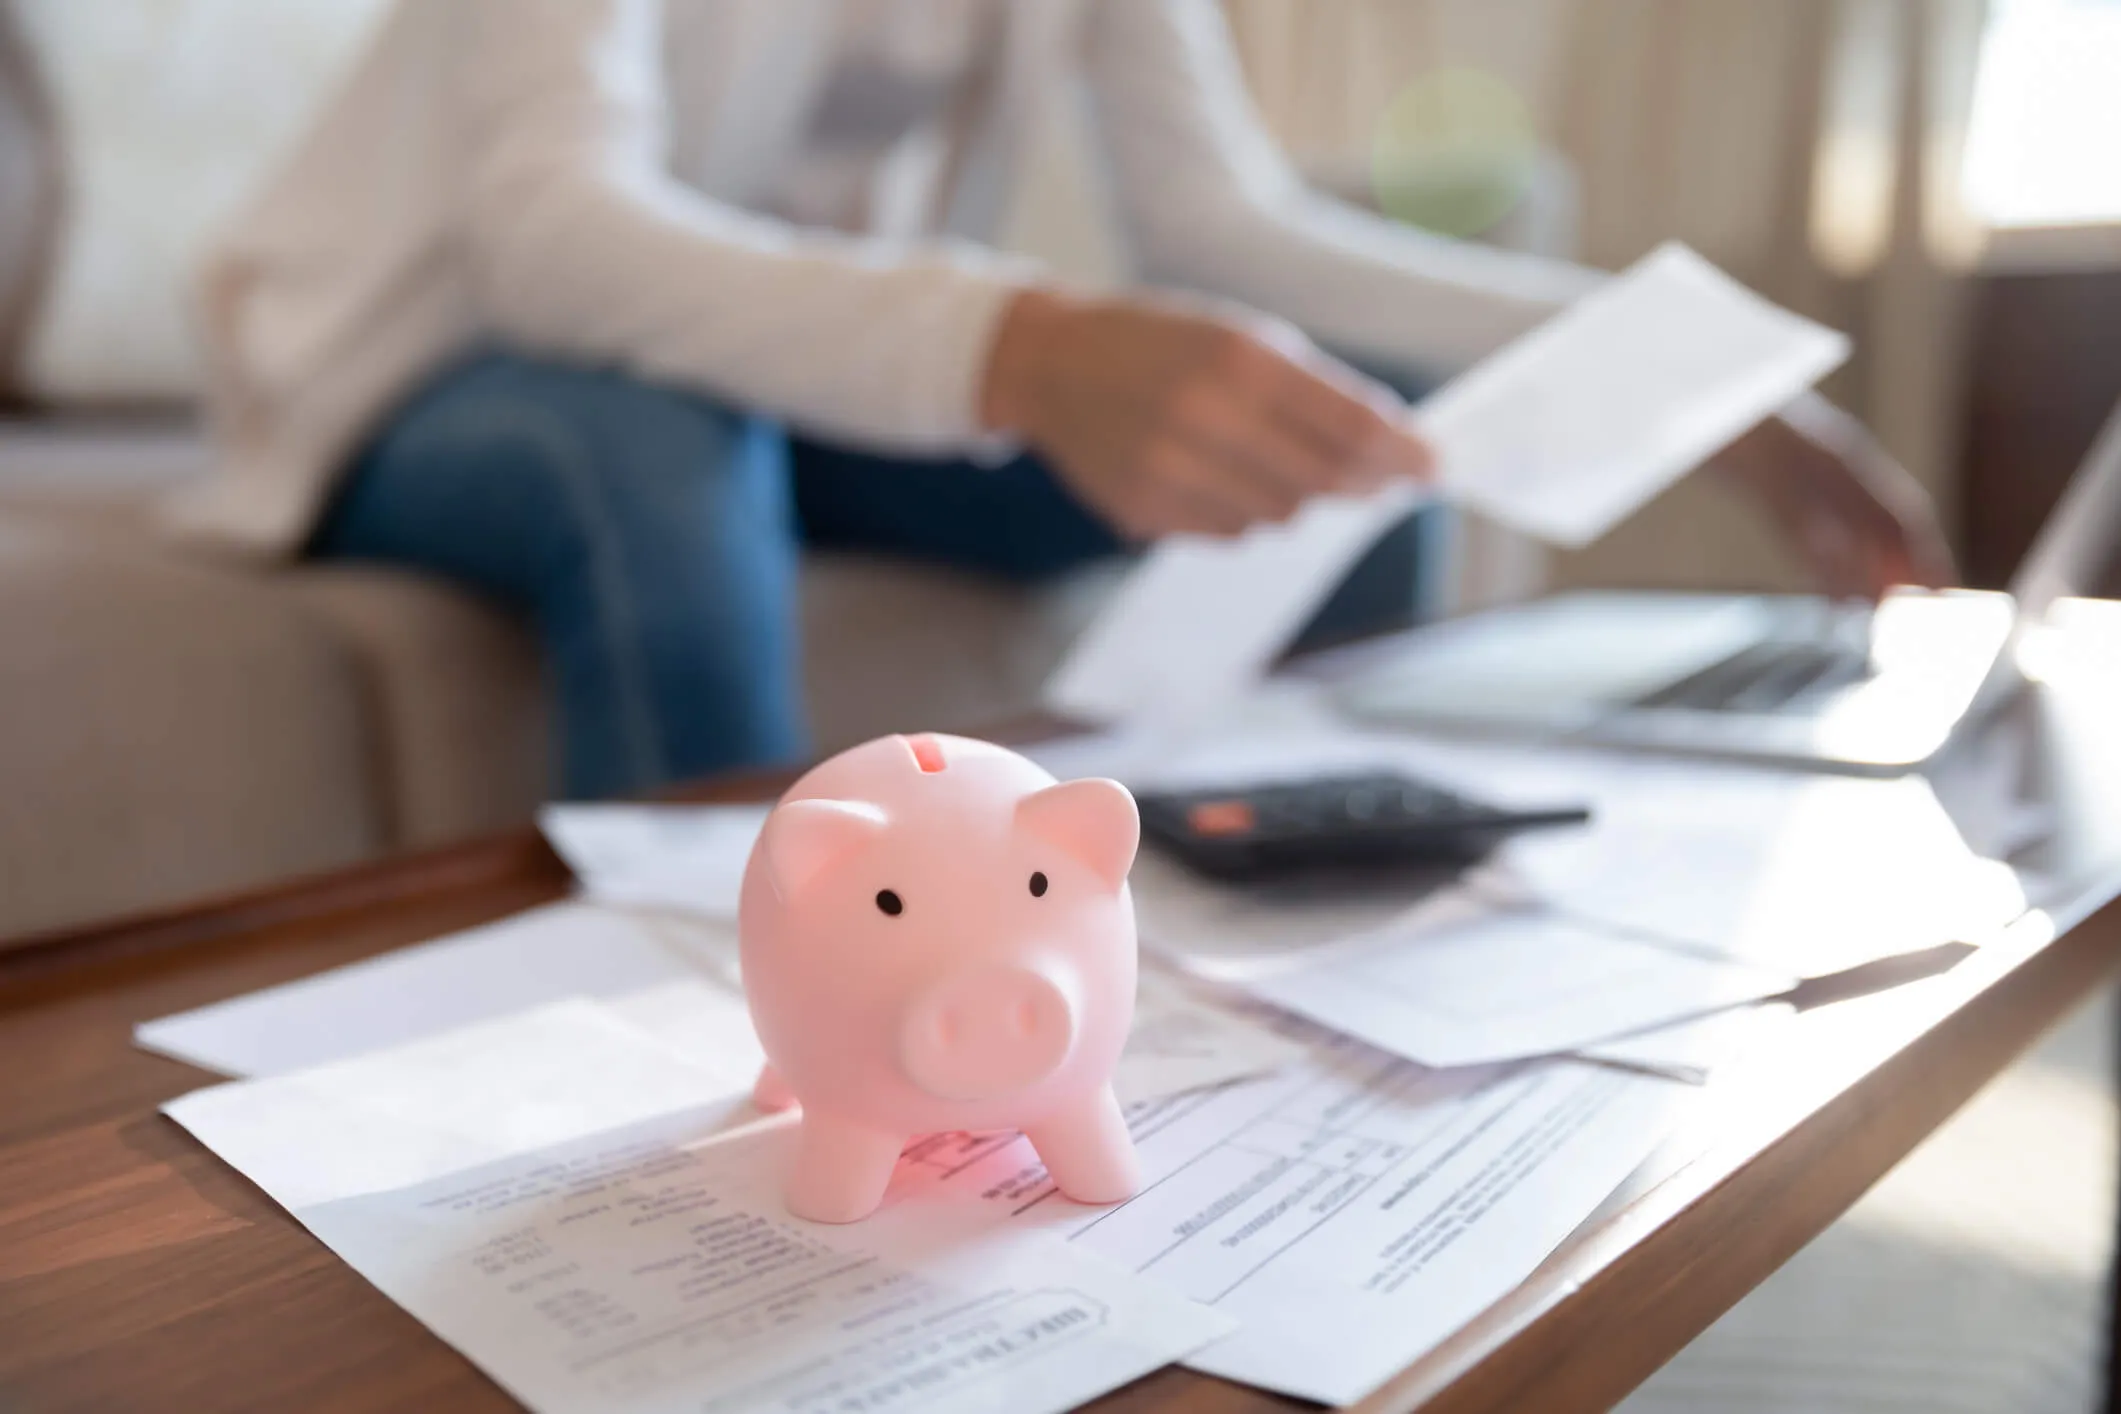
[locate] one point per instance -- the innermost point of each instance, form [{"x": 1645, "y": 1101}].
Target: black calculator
[{"x": 1364, "y": 820}]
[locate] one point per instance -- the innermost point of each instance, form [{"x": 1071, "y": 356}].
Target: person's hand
[
  {"x": 1164, "y": 418},
  {"x": 1860, "y": 522}
]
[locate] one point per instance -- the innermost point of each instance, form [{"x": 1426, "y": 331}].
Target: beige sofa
[
  {"x": 174, "y": 726},
  {"x": 171, "y": 726}
]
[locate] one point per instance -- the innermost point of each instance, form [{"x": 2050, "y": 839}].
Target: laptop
[{"x": 1791, "y": 679}]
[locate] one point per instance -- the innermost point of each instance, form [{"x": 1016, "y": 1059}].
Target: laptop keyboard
[{"x": 1768, "y": 677}]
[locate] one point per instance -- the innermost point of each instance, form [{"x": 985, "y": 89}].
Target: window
[{"x": 2044, "y": 145}]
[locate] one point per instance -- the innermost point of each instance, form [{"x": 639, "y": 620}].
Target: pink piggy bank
[{"x": 937, "y": 936}]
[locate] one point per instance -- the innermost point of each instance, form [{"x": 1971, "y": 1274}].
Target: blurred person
[{"x": 603, "y": 307}]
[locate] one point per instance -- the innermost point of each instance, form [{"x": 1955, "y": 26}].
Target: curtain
[{"x": 1810, "y": 147}]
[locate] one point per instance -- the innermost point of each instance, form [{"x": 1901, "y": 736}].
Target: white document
[
  {"x": 1986, "y": 783},
  {"x": 1565, "y": 432},
  {"x": 1183, "y": 1040},
  {"x": 705, "y": 1023},
  {"x": 1351, "y": 1212},
  {"x": 1560, "y": 435},
  {"x": 1236, "y": 934},
  {"x": 1508, "y": 984},
  {"x": 689, "y": 858},
  {"x": 620, "y": 1264},
  {"x": 1805, "y": 874},
  {"x": 539, "y": 956},
  {"x": 647, "y": 974},
  {"x": 410, "y": 1113},
  {"x": 1692, "y": 1051},
  {"x": 1199, "y": 619},
  {"x": 632, "y": 1273}
]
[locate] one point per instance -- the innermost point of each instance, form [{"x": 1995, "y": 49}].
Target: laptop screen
[{"x": 2078, "y": 551}]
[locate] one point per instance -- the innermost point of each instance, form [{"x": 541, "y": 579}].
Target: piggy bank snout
[{"x": 988, "y": 1033}]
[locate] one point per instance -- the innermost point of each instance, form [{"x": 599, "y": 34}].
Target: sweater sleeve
[
  {"x": 581, "y": 242},
  {"x": 1210, "y": 202}
]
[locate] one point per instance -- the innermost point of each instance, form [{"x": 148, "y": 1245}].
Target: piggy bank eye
[
  {"x": 1038, "y": 885},
  {"x": 889, "y": 902}
]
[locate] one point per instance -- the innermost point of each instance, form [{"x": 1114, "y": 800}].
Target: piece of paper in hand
[
  {"x": 1560, "y": 435},
  {"x": 1198, "y": 619},
  {"x": 1571, "y": 428}
]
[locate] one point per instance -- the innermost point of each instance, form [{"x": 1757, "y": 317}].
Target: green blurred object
[{"x": 1455, "y": 152}]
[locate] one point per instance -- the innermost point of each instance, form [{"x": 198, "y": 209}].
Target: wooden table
[{"x": 139, "y": 1272}]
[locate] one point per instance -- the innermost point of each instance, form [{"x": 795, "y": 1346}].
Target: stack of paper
[
  {"x": 474, "y": 1123},
  {"x": 534, "y": 1191},
  {"x": 568, "y": 1201}
]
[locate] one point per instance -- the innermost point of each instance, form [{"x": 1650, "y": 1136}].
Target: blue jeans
[{"x": 652, "y": 535}]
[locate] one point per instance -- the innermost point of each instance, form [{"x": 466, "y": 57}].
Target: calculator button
[{"x": 1222, "y": 818}]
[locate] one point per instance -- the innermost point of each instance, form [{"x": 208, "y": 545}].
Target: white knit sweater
[{"x": 599, "y": 178}]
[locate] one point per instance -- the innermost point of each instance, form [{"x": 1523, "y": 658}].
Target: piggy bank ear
[
  {"x": 1092, "y": 820},
  {"x": 803, "y": 837}
]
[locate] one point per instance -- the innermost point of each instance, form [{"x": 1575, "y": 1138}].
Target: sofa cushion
[
  {"x": 169, "y": 731},
  {"x": 454, "y": 693}
]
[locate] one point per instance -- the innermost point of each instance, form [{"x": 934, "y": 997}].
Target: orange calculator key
[{"x": 1222, "y": 817}]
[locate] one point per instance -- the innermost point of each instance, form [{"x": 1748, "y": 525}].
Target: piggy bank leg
[
  {"x": 841, "y": 1169},
  {"x": 771, "y": 1094},
  {"x": 1087, "y": 1150}
]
